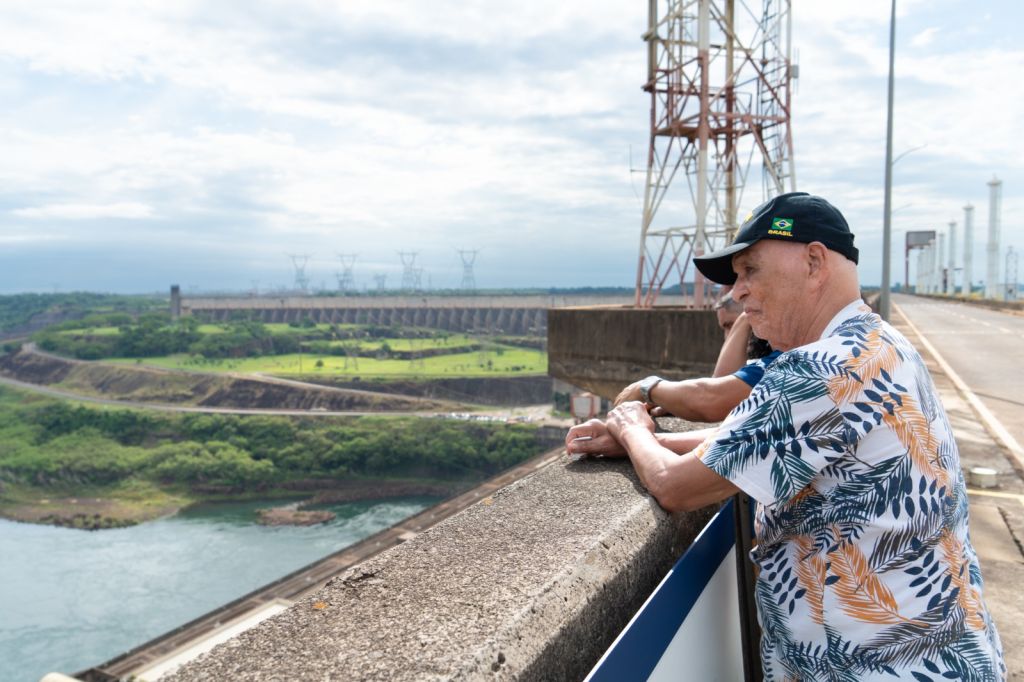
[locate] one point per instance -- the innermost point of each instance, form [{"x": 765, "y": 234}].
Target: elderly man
[{"x": 865, "y": 569}]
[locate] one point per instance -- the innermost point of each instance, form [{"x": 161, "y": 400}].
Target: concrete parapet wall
[
  {"x": 1015, "y": 307},
  {"x": 532, "y": 583},
  {"x": 603, "y": 349}
]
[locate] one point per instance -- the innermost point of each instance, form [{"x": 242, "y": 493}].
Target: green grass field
[
  {"x": 452, "y": 342},
  {"x": 91, "y": 331},
  {"x": 510, "y": 362}
]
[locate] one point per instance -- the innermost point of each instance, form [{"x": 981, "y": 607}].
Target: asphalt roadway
[{"x": 985, "y": 347}]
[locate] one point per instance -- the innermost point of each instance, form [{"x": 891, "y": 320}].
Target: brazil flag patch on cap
[{"x": 782, "y": 227}]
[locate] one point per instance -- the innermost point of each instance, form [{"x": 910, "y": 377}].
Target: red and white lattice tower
[{"x": 719, "y": 75}]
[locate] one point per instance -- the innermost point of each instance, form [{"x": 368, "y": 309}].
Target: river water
[{"x": 71, "y": 599}]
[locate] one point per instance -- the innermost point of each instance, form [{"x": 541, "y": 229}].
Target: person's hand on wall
[
  {"x": 592, "y": 438},
  {"x": 631, "y": 392},
  {"x": 630, "y": 415}
]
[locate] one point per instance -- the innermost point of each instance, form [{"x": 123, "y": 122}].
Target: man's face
[
  {"x": 726, "y": 318},
  {"x": 771, "y": 279}
]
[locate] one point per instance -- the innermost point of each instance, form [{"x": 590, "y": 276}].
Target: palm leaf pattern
[
  {"x": 863, "y": 563},
  {"x": 861, "y": 593}
]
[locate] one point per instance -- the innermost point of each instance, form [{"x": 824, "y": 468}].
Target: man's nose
[{"x": 739, "y": 291}]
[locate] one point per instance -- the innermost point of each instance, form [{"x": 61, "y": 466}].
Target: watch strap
[{"x": 646, "y": 386}]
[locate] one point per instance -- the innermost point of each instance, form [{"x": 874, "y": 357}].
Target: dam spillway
[{"x": 515, "y": 315}]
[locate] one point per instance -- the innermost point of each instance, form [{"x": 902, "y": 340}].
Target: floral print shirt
[{"x": 865, "y": 568}]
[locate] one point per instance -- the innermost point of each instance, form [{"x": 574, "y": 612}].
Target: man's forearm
[
  {"x": 683, "y": 442},
  {"x": 700, "y": 400},
  {"x": 650, "y": 458},
  {"x": 677, "y": 482}
]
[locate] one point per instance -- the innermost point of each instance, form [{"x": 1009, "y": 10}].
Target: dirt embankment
[
  {"x": 498, "y": 391},
  {"x": 150, "y": 385},
  {"x": 117, "y": 511},
  {"x": 87, "y": 513}
]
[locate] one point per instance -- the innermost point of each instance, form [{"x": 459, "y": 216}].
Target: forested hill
[{"x": 25, "y": 313}]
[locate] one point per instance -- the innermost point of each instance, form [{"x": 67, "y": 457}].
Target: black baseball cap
[{"x": 795, "y": 217}]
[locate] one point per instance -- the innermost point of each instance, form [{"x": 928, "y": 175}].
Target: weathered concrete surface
[
  {"x": 532, "y": 583},
  {"x": 603, "y": 349}
]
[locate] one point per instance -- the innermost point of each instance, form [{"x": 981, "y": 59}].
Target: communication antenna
[
  {"x": 346, "y": 280},
  {"x": 299, "y": 262},
  {"x": 468, "y": 279},
  {"x": 410, "y": 275},
  {"x": 719, "y": 75}
]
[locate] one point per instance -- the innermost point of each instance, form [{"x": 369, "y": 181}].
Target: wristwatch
[{"x": 646, "y": 386}]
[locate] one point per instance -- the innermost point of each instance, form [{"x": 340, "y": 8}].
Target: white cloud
[
  {"x": 86, "y": 211},
  {"x": 251, "y": 129},
  {"x": 925, "y": 37}
]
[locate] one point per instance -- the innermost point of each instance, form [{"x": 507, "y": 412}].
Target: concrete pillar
[
  {"x": 925, "y": 269},
  {"x": 968, "y": 248},
  {"x": 951, "y": 264},
  {"x": 995, "y": 193},
  {"x": 175, "y": 301}
]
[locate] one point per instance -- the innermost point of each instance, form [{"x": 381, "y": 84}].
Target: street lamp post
[{"x": 883, "y": 301}]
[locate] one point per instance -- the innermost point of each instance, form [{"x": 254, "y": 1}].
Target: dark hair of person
[{"x": 757, "y": 348}]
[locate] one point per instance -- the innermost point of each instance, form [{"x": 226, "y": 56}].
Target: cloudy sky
[{"x": 200, "y": 143}]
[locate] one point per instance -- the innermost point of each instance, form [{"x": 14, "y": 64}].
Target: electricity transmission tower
[
  {"x": 382, "y": 282},
  {"x": 346, "y": 280},
  {"x": 468, "y": 279},
  {"x": 410, "y": 273},
  {"x": 299, "y": 261},
  {"x": 719, "y": 75}
]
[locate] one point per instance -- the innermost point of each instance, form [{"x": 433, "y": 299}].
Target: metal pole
[
  {"x": 750, "y": 631},
  {"x": 965, "y": 289},
  {"x": 951, "y": 272},
  {"x": 883, "y": 301},
  {"x": 703, "y": 135},
  {"x": 940, "y": 259}
]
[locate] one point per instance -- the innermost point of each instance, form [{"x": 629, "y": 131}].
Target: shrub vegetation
[{"x": 46, "y": 443}]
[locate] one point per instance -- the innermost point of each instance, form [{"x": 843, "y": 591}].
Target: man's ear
[{"x": 817, "y": 258}]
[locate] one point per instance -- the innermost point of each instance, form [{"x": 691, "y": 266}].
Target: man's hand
[
  {"x": 631, "y": 392},
  {"x": 600, "y": 443},
  {"x": 628, "y": 416}
]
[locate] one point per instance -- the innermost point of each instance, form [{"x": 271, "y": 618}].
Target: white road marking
[
  {"x": 994, "y": 493},
  {"x": 994, "y": 426}
]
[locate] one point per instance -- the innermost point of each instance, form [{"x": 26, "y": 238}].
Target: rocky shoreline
[
  {"x": 291, "y": 515},
  {"x": 101, "y": 513}
]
